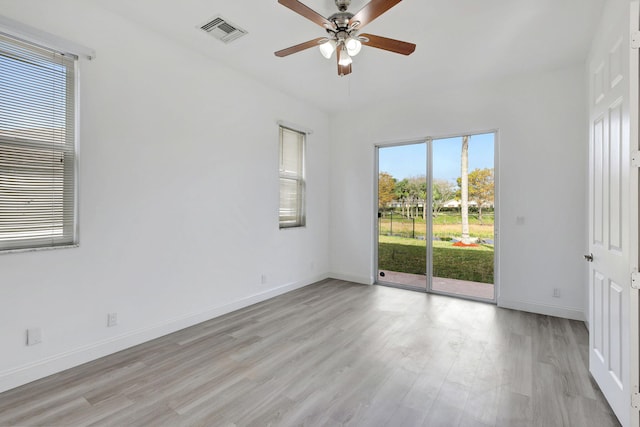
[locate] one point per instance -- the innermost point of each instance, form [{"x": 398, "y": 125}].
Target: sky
[
  {"x": 406, "y": 161},
  {"x": 32, "y": 92}
]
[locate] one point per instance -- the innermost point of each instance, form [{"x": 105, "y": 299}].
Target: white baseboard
[
  {"x": 27, "y": 373},
  {"x": 350, "y": 278},
  {"x": 549, "y": 310}
]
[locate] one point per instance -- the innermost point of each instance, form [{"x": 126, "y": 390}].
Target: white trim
[
  {"x": 33, "y": 35},
  {"x": 546, "y": 309},
  {"x": 634, "y": 145},
  {"x": 496, "y": 215},
  {"x": 294, "y": 127},
  {"x": 43, "y": 248},
  {"x": 351, "y": 278},
  {"x": 429, "y": 223},
  {"x": 375, "y": 208},
  {"x": 29, "y": 372}
]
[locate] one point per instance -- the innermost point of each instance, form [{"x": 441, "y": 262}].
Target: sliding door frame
[
  {"x": 496, "y": 222},
  {"x": 376, "y": 231},
  {"x": 429, "y": 203}
]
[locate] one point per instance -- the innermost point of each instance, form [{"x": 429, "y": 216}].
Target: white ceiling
[{"x": 458, "y": 42}]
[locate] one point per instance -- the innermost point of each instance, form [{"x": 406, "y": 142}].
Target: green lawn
[{"x": 409, "y": 256}]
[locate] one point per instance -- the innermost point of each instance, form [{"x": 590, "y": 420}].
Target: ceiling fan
[{"x": 342, "y": 29}]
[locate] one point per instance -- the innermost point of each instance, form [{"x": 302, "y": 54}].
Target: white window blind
[
  {"x": 292, "y": 185},
  {"x": 37, "y": 146}
]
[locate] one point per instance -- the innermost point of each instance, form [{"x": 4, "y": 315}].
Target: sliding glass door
[{"x": 436, "y": 215}]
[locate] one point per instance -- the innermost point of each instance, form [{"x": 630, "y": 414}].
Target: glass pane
[
  {"x": 402, "y": 195},
  {"x": 291, "y": 152},
  {"x": 289, "y": 200},
  {"x": 463, "y": 231},
  {"x": 33, "y": 93}
]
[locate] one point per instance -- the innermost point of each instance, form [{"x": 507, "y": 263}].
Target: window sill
[{"x": 44, "y": 248}]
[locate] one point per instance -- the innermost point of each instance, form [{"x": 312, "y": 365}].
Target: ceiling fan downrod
[{"x": 343, "y": 5}]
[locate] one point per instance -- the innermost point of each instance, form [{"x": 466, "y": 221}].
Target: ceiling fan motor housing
[{"x": 341, "y": 30}]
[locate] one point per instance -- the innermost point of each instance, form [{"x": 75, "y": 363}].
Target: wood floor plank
[{"x": 333, "y": 354}]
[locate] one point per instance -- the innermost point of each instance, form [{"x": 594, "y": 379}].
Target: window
[
  {"x": 292, "y": 187},
  {"x": 37, "y": 146}
]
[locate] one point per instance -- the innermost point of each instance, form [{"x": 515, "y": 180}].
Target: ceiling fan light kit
[
  {"x": 342, "y": 32},
  {"x": 344, "y": 59},
  {"x": 353, "y": 46},
  {"x": 327, "y": 48}
]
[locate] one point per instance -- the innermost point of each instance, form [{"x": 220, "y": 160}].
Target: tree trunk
[
  {"x": 464, "y": 189},
  {"x": 480, "y": 214}
]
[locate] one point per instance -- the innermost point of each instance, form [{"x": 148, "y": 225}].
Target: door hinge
[
  {"x": 635, "y": 40},
  {"x": 635, "y": 159},
  {"x": 635, "y": 399},
  {"x": 635, "y": 280}
]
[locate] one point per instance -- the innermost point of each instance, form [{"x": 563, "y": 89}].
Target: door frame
[
  {"x": 429, "y": 202},
  {"x": 634, "y": 214}
]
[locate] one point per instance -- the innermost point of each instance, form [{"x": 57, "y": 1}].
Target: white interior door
[{"x": 612, "y": 234}]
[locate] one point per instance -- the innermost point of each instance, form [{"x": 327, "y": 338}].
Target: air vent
[{"x": 222, "y": 29}]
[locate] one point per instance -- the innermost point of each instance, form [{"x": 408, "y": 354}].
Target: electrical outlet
[
  {"x": 263, "y": 279},
  {"x": 34, "y": 336},
  {"x": 556, "y": 293},
  {"x": 112, "y": 319}
]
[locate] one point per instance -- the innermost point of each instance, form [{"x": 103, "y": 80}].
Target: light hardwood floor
[{"x": 335, "y": 353}]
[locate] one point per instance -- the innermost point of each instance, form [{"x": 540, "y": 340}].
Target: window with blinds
[
  {"x": 37, "y": 147},
  {"x": 292, "y": 186}
]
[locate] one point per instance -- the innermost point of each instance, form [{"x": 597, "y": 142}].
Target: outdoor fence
[
  {"x": 397, "y": 225},
  {"x": 446, "y": 226}
]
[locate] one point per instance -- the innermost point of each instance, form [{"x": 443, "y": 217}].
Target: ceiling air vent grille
[{"x": 222, "y": 29}]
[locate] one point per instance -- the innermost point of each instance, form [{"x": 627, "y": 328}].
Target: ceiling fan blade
[
  {"x": 391, "y": 45},
  {"x": 299, "y": 47},
  {"x": 372, "y": 10},
  {"x": 343, "y": 70},
  {"x": 307, "y": 12}
]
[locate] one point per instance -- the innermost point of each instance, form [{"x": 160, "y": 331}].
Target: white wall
[
  {"x": 178, "y": 199},
  {"x": 543, "y": 147},
  {"x": 179, "y": 193}
]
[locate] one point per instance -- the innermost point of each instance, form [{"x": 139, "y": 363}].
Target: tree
[
  {"x": 422, "y": 195},
  {"x": 386, "y": 189},
  {"x": 402, "y": 193},
  {"x": 409, "y": 193},
  {"x": 417, "y": 193},
  {"x": 481, "y": 188},
  {"x": 443, "y": 191},
  {"x": 464, "y": 190}
]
